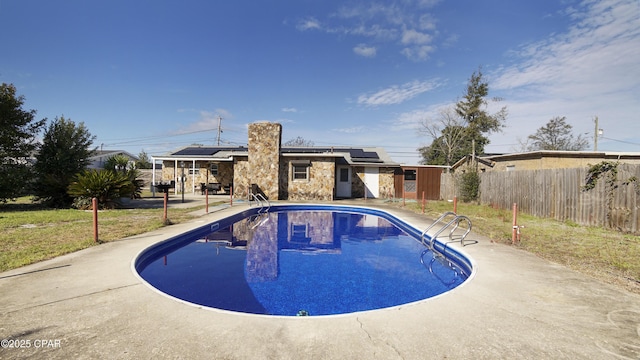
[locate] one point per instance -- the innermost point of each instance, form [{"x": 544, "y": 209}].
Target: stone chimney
[{"x": 264, "y": 157}]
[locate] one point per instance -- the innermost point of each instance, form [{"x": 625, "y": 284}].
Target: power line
[
  {"x": 155, "y": 137},
  {"x": 622, "y": 141}
]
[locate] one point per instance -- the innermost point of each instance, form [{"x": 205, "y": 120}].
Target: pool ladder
[
  {"x": 455, "y": 221},
  {"x": 260, "y": 200},
  {"x": 262, "y": 211}
]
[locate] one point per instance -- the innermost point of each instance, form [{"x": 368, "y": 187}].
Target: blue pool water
[{"x": 303, "y": 260}]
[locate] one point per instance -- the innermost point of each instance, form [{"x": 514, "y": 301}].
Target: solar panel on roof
[
  {"x": 357, "y": 154},
  {"x": 361, "y": 154},
  {"x": 305, "y": 150},
  {"x": 196, "y": 152}
]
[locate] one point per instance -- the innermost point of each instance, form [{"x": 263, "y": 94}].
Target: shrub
[
  {"x": 134, "y": 189},
  {"x": 469, "y": 186},
  {"x": 107, "y": 186}
]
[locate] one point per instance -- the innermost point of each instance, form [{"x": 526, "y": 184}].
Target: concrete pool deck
[{"x": 89, "y": 305}]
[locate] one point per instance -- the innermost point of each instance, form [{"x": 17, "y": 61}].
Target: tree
[
  {"x": 475, "y": 122},
  {"x": 448, "y": 134},
  {"x": 18, "y": 131},
  {"x": 473, "y": 109},
  {"x": 299, "y": 142},
  {"x": 64, "y": 152},
  {"x": 556, "y": 135},
  {"x": 143, "y": 161}
]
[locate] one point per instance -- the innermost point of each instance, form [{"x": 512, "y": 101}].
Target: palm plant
[
  {"x": 118, "y": 162},
  {"x": 134, "y": 188},
  {"x": 107, "y": 186}
]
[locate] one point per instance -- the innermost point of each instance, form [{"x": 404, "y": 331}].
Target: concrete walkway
[{"x": 90, "y": 305}]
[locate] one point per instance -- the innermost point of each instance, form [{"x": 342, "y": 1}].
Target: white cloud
[
  {"x": 288, "y": 109},
  {"x": 451, "y": 40},
  {"x": 591, "y": 69},
  {"x": 350, "y": 130},
  {"x": 600, "y": 49},
  {"x": 207, "y": 120},
  {"x": 308, "y": 24},
  {"x": 427, "y": 22},
  {"x": 364, "y": 50},
  {"x": 405, "y": 24},
  {"x": 415, "y": 37},
  {"x": 417, "y": 53},
  {"x": 397, "y": 94}
]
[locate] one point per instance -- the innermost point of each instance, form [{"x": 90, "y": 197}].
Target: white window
[
  {"x": 194, "y": 171},
  {"x": 214, "y": 169},
  {"x": 511, "y": 167},
  {"x": 300, "y": 169}
]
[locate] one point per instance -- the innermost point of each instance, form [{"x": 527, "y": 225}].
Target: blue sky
[{"x": 154, "y": 75}]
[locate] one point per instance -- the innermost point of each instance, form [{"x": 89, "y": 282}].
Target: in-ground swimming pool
[{"x": 301, "y": 260}]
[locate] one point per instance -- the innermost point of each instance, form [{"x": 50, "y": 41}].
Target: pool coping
[
  {"x": 463, "y": 261},
  {"x": 516, "y": 306}
]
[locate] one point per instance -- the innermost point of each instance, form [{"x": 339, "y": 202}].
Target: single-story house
[
  {"x": 281, "y": 173},
  {"x": 543, "y": 159},
  {"x": 97, "y": 160}
]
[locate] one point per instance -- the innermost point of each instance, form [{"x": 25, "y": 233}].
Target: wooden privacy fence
[{"x": 558, "y": 194}]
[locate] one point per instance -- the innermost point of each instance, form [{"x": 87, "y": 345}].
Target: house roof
[
  {"x": 483, "y": 160},
  {"x": 365, "y": 156},
  {"x": 612, "y": 155},
  {"x": 491, "y": 159},
  {"x": 98, "y": 154},
  {"x": 206, "y": 151}
]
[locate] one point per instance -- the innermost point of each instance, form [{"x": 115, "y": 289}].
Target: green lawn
[
  {"x": 605, "y": 254},
  {"x": 30, "y": 234}
]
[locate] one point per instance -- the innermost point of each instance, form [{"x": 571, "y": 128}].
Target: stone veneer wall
[
  {"x": 357, "y": 182},
  {"x": 386, "y": 182},
  {"x": 240, "y": 178},
  {"x": 319, "y": 186},
  {"x": 264, "y": 157},
  {"x": 168, "y": 172}
]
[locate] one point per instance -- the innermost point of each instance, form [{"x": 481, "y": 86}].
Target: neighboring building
[
  {"x": 282, "y": 173},
  {"x": 100, "y": 156},
  {"x": 543, "y": 159}
]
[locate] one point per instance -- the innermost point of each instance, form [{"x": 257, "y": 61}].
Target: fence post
[
  {"x": 515, "y": 223},
  {"x": 231, "y": 195},
  {"x": 94, "y": 202},
  {"x": 206, "y": 200},
  {"x": 403, "y": 197},
  {"x": 455, "y": 204},
  {"x": 423, "y": 202},
  {"x": 166, "y": 201}
]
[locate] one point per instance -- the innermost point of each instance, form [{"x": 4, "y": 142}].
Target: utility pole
[
  {"x": 219, "y": 129},
  {"x": 595, "y": 136},
  {"x": 473, "y": 154}
]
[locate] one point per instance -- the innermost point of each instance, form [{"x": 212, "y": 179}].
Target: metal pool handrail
[
  {"x": 434, "y": 224},
  {"x": 455, "y": 220},
  {"x": 260, "y": 199}
]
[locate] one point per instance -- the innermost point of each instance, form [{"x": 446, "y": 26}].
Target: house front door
[{"x": 343, "y": 181}]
